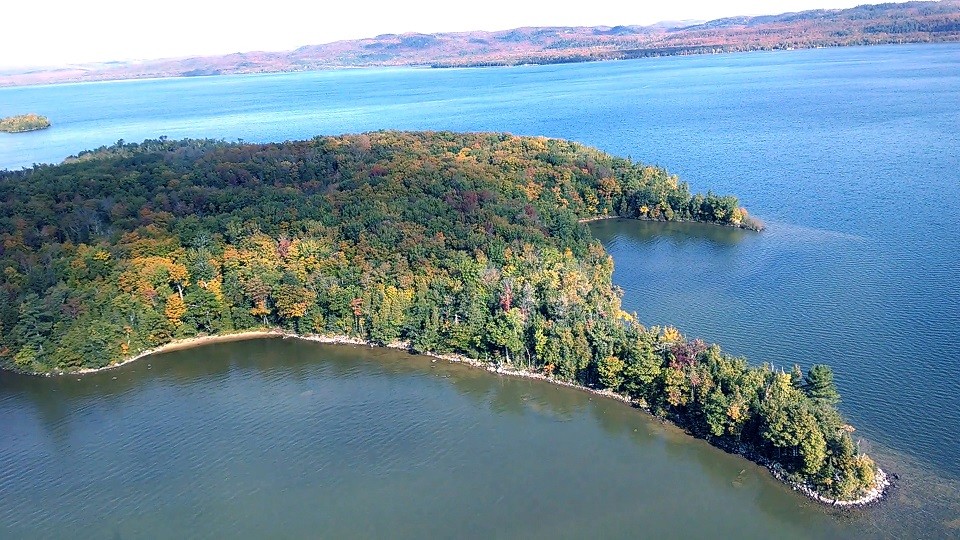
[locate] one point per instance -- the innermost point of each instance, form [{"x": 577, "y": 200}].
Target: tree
[
  {"x": 34, "y": 324},
  {"x": 782, "y": 410},
  {"x": 467, "y": 243},
  {"x": 819, "y": 385},
  {"x": 796, "y": 377},
  {"x": 642, "y": 368},
  {"x": 715, "y": 412},
  {"x": 291, "y": 298},
  {"x": 389, "y": 309},
  {"x": 505, "y": 331},
  {"x": 610, "y": 372},
  {"x": 203, "y": 311},
  {"x": 676, "y": 387},
  {"x": 175, "y": 310}
]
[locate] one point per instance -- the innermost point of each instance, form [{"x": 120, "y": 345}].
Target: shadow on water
[
  {"x": 650, "y": 232},
  {"x": 57, "y": 401},
  {"x": 720, "y": 469},
  {"x": 921, "y": 504},
  {"x": 806, "y": 280}
]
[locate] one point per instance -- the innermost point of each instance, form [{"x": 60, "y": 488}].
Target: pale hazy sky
[{"x": 52, "y": 32}]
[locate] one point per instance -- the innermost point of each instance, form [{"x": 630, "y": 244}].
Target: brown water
[{"x": 283, "y": 438}]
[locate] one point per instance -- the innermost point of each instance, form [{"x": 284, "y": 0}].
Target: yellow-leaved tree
[{"x": 175, "y": 309}]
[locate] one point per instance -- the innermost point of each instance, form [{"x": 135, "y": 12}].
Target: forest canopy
[{"x": 463, "y": 243}]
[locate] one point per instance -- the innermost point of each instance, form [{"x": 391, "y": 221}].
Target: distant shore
[
  {"x": 865, "y": 25},
  {"x": 872, "y": 496}
]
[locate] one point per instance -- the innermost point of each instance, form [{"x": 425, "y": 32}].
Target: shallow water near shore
[
  {"x": 284, "y": 437},
  {"x": 848, "y": 154},
  {"x": 785, "y": 296},
  {"x": 287, "y": 437}
]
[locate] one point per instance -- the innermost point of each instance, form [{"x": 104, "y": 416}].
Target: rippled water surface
[
  {"x": 283, "y": 438},
  {"x": 850, "y": 155}
]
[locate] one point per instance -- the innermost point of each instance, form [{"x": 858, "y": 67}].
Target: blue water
[{"x": 850, "y": 155}]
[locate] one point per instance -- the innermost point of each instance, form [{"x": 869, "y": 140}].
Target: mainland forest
[{"x": 453, "y": 243}]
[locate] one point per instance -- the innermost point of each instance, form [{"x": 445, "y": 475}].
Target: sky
[{"x": 60, "y": 32}]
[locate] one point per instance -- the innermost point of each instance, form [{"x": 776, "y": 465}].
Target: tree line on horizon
[
  {"x": 455, "y": 243},
  {"x": 885, "y": 23}
]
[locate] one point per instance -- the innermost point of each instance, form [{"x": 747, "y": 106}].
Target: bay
[
  {"x": 284, "y": 438},
  {"x": 848, "y": 154}
]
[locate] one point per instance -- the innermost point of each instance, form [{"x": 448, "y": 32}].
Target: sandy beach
[{"x": 871, "y": 496}]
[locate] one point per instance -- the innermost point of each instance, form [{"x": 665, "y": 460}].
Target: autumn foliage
[{"x": 466, "y": 243}]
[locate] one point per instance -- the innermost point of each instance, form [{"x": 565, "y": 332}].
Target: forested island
[
  {"x": 446, "y": 243},
  {"x": 906, "y": 22},
  {"x": 24, "y": 122}
]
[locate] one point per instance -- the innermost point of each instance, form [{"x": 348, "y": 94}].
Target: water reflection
[
  {"x": 803, "y": 295},
  {"x": 387, "y": 405},
  {"x": 677, "y": 234}
]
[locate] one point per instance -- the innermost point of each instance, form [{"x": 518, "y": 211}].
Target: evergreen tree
[{"x": 819, "y": 385}]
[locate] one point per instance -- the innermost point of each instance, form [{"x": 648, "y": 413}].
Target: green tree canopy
[{"x": 454, "y": 243}]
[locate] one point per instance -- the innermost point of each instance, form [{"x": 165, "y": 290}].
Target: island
[
  {"x": 23, "y": 123},
  {"x": 470, "y": 247}
]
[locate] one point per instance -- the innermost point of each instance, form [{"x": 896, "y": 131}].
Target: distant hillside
[{"x": 910, "y": 22}]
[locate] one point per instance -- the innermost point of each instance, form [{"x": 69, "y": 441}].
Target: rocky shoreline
[
  {"x": 872, "y": 496},
  {"x": 751, "y": 224}
]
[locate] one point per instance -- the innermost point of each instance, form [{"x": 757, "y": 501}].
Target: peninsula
[
  {"x": 908, "y": 22},
  {"x": 23, "y": 123},
  {"x": 469, "y": 246}
]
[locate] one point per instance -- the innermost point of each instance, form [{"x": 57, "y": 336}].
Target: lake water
[{"x": 850, "y": 156}]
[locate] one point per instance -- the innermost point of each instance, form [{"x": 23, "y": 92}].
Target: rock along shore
[{"x": 873, "y": 495}]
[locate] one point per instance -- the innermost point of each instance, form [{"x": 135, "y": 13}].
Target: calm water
[
  {"x": 850, "y": 155},
  {"x": 283, "y": 438}
]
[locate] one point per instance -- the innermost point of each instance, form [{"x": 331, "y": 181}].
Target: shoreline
[
  {"x": 600, "y": 218},
  {"x": 872, "y": 496},
  {"x": 48, "y": 77},
  {"x": 752, "y": 225},
  {"x": 176, "y": 345},
  {"x": 14, "y": 132}
]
